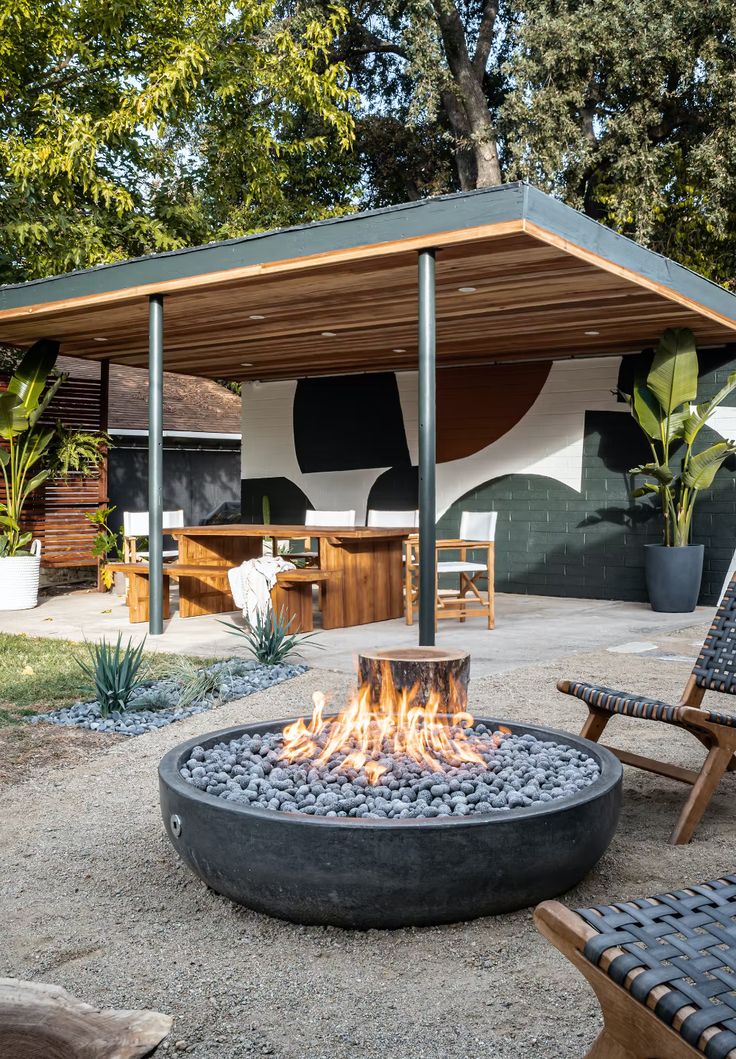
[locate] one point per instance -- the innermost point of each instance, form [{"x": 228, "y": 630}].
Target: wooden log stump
[
  {"x": 427, "y": 669},
  {"x": 38, "y": 1019}
]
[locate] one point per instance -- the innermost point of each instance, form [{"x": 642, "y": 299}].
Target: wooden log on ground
[
  {"x": 38, "y": 1019},
  {"x": 427, "y": 669}
]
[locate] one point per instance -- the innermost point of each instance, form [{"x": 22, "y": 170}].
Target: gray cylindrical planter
[{"x": 673, "y": 577}]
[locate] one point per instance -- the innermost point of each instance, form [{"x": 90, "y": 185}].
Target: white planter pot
[{"x": 19, "y": 576}]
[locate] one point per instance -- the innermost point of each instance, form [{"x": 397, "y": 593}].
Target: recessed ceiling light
[
  {"x": 398, "y": 351},
  {"x": 329, "y": 334},
  {"x": 592, "y": 332},
  {"x": 99, "y": 339},
  {"x": 467, "y": 290},
  {"x": 256, "y": 316}
]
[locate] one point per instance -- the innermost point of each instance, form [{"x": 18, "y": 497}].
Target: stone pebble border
[{"x": 156, "y": 703}]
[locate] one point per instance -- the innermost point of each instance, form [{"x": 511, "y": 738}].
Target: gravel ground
[{"x": 93, "y": 899}]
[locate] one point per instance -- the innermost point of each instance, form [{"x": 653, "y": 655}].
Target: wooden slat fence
[{"x": 55, "y": 513}]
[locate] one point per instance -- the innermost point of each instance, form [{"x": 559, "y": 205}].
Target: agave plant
[
  {"x": 112, "y": 671},
  {"x": 269, "y": 639},
  {"x": 26, "y": 398},
  {"x": 664, "y": 404}
]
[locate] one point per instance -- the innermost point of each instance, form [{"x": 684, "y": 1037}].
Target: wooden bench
[{"x": 291, "y": 593}]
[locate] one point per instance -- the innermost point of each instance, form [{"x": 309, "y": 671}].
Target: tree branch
[{"x": 486, "y": 33}]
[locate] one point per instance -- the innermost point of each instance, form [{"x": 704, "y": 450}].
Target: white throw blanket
[{"x": 251, "y": 584}]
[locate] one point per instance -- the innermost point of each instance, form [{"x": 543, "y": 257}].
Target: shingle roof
[{"x": 190, "y": 404}]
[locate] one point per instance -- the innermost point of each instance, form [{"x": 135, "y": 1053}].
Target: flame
[{"x": 433, "y": 735}]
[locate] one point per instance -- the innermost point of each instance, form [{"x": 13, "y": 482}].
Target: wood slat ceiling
[{"x": 536, "y": 297}]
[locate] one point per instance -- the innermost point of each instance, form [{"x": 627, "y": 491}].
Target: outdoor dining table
[{"x": 360, "y": 568}]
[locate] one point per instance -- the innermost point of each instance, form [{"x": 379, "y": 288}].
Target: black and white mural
[{"x": 547, "y": 445}]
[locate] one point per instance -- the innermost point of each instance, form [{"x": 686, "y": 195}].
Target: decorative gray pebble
[
  {"x": 157, "y": 703},
  {"x": 516, "y": 772}
]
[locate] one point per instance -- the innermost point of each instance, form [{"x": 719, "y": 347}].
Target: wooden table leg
[
  {"x": 331, "y": 601},
  {"x": 295, "y": 600},
  {"x": 371, "y": 583},
  {"x": 138, "y": 597}
]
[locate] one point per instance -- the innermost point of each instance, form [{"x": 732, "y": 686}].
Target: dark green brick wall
[{"x": 550, "y": 540}]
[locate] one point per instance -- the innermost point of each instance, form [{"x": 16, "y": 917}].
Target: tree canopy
[
  {"x": 135, "y": 125},
  {"x": 128, "y": 126},
  {"x": 623, "y": 108}
]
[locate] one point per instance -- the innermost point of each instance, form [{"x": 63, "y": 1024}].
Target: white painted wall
[
  {"x": 547, "y": 441},
  {"x": 268, "y": 451}
]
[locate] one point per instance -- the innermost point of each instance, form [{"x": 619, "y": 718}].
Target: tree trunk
[
  {"x": 470, "y": 96},
  {"x": 37, "y": 1019},
  {"x": 425, "y": 669}
]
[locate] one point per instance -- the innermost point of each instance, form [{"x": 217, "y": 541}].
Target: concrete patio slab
[{"x": 529, "y": 629}]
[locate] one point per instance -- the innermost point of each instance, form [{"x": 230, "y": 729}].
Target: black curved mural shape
[
  {"x": 397, "y": 489},
  {"x": 349, "y": 423},
  {"x": 287, "y": 501}
]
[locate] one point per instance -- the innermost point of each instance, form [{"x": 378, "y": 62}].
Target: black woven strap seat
[
  {"x": 715, "y": 669},
  {"x": 684, "y": 941},
  {"x": 624, "y": 702}
]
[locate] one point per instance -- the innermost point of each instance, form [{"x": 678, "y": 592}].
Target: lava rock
[{"x": 514, "y": 772}]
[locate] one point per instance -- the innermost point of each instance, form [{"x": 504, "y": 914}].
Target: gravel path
[{"x": 93, "y": 899}]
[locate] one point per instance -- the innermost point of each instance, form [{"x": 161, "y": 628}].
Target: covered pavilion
[{"x": 380, "y": 290}]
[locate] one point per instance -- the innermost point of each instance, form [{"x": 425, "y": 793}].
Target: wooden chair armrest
[
  {"x": 694, "y": 716},
  {"x": 563, "y": 927}
]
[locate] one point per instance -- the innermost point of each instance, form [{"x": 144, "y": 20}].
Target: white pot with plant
[{"x": 27, "y": 459}]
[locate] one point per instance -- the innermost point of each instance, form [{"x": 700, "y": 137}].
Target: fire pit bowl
[{"x": 386, "y": 873}]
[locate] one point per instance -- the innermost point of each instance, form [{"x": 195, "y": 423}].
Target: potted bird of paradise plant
[{"x": 664, "y": 403}]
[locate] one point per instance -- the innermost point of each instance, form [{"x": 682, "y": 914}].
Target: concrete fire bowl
[{"x": 376, "y": 873}]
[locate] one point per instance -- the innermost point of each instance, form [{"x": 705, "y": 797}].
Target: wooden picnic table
[{"x": 361, "y": 568}]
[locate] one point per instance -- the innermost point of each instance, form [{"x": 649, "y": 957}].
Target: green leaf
[
  {"x": 645, "y": 407},
  {"x": 645, "y": 490},
  {"x": 660, "y": 471},
  {"x": 34, "y": 483},
  {"x": 677, "y": 423},
  {"x": 45, "y": 401},
  {"x": 673, "y": 377},
  {"x": 31, "y": 375},
  {"x": 647, "y": 412},
  {"x": 13, "y": 419},
  {"x": 702, "y": 468},
  {"x": 700, "y": 415}
]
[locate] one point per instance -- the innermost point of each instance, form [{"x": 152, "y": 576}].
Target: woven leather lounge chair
[
  {"x": 715, "y": 670},
  {"x": 662, "y": 969}
]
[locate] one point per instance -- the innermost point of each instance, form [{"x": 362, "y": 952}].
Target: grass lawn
[{"x": 38, "y": 674}]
